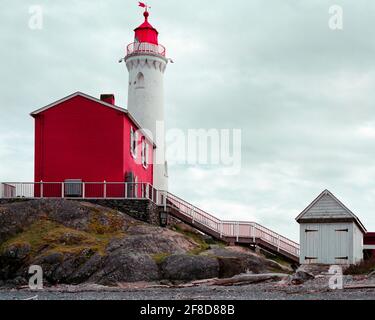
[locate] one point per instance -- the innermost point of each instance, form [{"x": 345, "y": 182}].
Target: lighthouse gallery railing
[
  {"x": 119, "y": 190},
  {"x": 145, "y": 47}
]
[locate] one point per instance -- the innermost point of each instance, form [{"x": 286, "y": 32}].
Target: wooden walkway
[{"x": 231, "y": 232}]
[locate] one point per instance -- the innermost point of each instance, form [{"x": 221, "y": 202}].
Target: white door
[
  {"x": 311, "y": 242},
  {"x": 341, "y": 244},
  {"x": 335, "y": 243}
]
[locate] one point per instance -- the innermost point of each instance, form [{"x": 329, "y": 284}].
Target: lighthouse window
[
  {"x": 133, "y": 142},
  {"x": 140, "y": 81}
]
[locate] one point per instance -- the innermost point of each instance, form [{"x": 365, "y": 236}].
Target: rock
[
  {"x": 51, "y": 259},
  {"x": 87, "y": 269},
  {"x": 151, "y": 244},
  {"x": 12, "y": 260},
  {"x": 64, "y": 271},
  {"x": 122, "y": 266},
  {"x": 253, "y": 263},
  {"x": 229, "y": 267},
  {"x": 17, "y": 252},
  {"x": 17, "y": 282},
  {"x": 189, "y": 267},
  {"x": 315, "y": 269},
  {"x": 245, "y": 279},
  {"x": 49, "y": 263},
  {"x": 301, "y": 277}
]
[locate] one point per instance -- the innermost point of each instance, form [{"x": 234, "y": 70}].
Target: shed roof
[
  {"x": 73, "y": 95},
  {"x": 326, "y": 207}
]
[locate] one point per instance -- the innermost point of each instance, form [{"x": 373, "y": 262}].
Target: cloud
[{"x": 301, "y": 93}]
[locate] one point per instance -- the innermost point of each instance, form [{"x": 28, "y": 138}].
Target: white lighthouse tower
[{"x": 146, "y": 62}]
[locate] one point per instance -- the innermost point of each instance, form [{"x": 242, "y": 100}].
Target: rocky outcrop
[
  {"x": 77, "y": 242},
  {"x": 126, "y": 267},
  {"x": 189, "y": 267},
  {"x": 236, "y": 260}
]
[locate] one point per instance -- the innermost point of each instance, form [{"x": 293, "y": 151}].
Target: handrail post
[
  {"x": 105, "y": 189},
  {"x": 278, "y": 243},
  {"x": 62, "y": 190},
  {"x": 126, "y": 190},
  {"x": 192, "y": 215},
  {"x": 83, "y": 190},
  {"x": 165, "y": 202},
  {"x": 41, "y": 189},
  {"x": 253, "y": 232},
  {"x": 221, "y": 229},
  {"x": 147, "y": 191},
  {"x": 238, "y": 231}
]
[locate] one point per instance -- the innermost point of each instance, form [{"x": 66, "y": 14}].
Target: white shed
[{"x": 330, "y": 233}]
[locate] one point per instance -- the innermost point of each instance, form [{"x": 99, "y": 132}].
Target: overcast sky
[{"x": 302, "y": 94}]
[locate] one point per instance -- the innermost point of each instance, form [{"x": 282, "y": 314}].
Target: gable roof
[
  {"x": 76, "y": 94},
  {"x": 327, "y": 207},
  {"x": 73, "y": 95}
]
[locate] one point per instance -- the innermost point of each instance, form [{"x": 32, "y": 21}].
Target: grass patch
[
  {"x": 364, "y": 267},
  {"x": 51, "y": 237},
  {"x": 160, "y": 257},
  {"x": 202, "y": 245},
  {"x": 105, "y": 222}
]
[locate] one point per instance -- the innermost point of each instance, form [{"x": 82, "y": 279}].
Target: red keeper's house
[{"x": 83, "y": 139}]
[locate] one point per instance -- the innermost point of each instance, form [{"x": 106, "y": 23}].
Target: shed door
[
  {"x": 341, "y": 245},
  {"x": 312, "y": 244}
]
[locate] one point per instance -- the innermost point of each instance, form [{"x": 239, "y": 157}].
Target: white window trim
[
  {"x": 147, "y": 153},
  {"x": 144, "y": 153},
  {"x": 133, "y": 140}
]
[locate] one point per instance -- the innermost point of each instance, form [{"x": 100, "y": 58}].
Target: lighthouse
[{"x": 146, "y": 63}]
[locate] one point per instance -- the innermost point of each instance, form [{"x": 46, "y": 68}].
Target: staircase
[{"x": 231, "y": 232}]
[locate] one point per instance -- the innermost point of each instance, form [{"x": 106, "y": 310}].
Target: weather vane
[{"x": 144, "y": 5}]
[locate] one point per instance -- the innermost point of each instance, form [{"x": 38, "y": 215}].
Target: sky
[{"x": 301, "y": 93}]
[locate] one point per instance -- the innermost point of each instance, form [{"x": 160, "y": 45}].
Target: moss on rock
[{"x": 51, "y": 237}]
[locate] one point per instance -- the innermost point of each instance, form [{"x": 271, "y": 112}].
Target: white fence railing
[
  {"x": 83, "y": 190},
  {"x": 145, "y": 47},
  {"x": 119, "y": 190},
  {"x": 236, "y": 229}
]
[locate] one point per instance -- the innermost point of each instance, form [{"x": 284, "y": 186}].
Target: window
[
  {"x": 73, "y": 188},
  {"x": 144, "y": 153},
  {"x": 140, "y": 81},
  {"x": 133, "y": 142}
]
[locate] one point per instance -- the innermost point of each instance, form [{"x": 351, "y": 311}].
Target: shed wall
[{"x": 330, "y": 243}]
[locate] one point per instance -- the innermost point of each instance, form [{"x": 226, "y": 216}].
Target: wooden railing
[{"x": 238, "y": 230}]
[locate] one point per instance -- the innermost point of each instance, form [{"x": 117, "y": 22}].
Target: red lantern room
[
  {"x": 146, "y": 39},
  {"x": 146, "y": 32}
]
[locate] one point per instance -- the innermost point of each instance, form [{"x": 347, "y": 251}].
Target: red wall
[
  {"x": 369, "y": 238},
  {"x": 83, "y": 139},
  {"x": 134, "y": 165}
]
